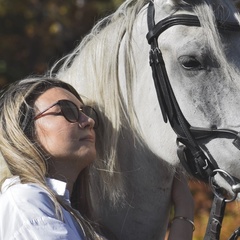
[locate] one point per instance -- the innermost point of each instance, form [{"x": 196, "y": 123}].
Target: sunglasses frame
[{"x": 80, "y": 111}]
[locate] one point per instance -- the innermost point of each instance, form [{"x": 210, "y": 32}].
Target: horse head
[{"x": 203, "y": 70}]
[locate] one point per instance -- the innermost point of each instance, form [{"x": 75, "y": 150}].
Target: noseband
[{"x": 190, "y": 153}]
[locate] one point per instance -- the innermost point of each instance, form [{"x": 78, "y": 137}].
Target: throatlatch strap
[{"x": 215, "y": 219}]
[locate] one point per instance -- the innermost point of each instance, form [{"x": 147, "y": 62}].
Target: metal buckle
[{"x": 234, "y": 186}]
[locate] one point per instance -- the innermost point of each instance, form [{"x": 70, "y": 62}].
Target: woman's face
[{"x": 70, "y": 145}]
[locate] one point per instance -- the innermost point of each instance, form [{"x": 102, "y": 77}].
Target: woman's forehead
[{"x": 55, "y": 94}]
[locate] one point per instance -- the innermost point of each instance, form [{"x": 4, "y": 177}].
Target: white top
[{"x": 27, "y": 213}]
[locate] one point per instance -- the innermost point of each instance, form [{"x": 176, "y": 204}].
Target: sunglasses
[{"x": 71, "y": 112}]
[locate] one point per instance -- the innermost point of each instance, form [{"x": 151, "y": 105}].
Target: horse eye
[{"x": 190, "y": 63}]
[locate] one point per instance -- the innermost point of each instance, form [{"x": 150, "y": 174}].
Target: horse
[{"x": 131, "y": 182}]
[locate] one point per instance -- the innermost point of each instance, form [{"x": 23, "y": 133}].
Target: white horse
[{"x": 132, "y": 186}]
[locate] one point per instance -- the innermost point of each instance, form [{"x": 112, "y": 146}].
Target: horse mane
[
  {"x": 94, "y": 63},
  {"x": 97, "y": 56}
]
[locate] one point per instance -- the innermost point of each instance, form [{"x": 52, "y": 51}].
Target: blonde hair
[{"x": 22, "y": 154}]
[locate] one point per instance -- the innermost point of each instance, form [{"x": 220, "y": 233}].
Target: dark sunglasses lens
[
  {"x": 70, "y": 111},
  {"x": 90, "y": 112}
]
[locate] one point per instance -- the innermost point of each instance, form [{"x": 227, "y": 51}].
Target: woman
[
  {"x": 45, "y": 132},
  {"x": 47, "y": 139}
]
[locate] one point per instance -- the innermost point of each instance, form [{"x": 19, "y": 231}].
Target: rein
[{"x": 189, "y": 152}]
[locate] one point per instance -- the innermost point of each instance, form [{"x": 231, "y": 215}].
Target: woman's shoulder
[
  {"x": 25, "y": 198},
  {"x": 27, "y": 209}
]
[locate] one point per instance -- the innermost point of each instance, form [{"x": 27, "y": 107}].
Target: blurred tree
[{"x": 35, "y": 33}]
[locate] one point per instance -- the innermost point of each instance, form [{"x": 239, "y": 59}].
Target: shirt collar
[
  {"x": 59, "y": 187},
  {"x": 8, "y": 182}
]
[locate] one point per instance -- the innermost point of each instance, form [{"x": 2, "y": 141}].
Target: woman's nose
[{"x": 85, "y": 121}]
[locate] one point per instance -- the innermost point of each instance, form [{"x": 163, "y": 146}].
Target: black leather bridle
[{"x": 190, "y": 153}]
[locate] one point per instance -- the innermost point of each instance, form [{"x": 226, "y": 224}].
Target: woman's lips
[{"x": 89, "y": 138}]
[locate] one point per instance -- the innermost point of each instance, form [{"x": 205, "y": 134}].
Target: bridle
[{"x": 191, "y": 155}]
